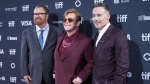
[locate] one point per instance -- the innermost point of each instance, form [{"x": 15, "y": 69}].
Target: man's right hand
[{"x": 27, "y": 79}]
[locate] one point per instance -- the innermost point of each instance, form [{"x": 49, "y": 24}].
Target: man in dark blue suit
[
  {"x": 37, "y": 49},
  {"x": 111, "y": 54}
]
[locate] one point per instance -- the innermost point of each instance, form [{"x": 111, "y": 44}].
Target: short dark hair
[
  {"x": 101, "y": 5},
  {"x": 44, "y": 7}
]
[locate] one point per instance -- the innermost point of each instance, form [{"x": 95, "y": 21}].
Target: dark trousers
[{"x": 43, "y": 81}]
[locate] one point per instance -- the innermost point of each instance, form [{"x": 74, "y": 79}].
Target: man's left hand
[{"x": 77, "y": 80}]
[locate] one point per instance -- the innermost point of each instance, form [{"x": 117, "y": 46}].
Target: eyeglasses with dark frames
[{"x": 39, "y": 14}]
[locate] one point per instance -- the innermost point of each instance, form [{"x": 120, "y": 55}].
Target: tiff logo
[
  {"x": 77, "y": 3},
  {"x": 146, "y": 56},
  {"x": 122, "y": 1},
  {"x": 98, "y": 1},
  {"x": 26, "y": 23},
  {"x": 145, "y": 75},
  {"x": 1, "y": 24},
  {"x": 12, "y": 51},
  {"x": 145, "y": 0},
  {"x": 58, "y": 5},
  {"x": 11, "y": 23},
  {"x": 143, "y": 17},
  {"x": 0, "y": 37},
  {"x": 11, "y": 38},
  {"x": 11, "y": 9},
  {"x": 1, "y": 51},
  {"x": 116, "y": 1},
  {"x": 1, "y": 64},
  {"x": 25, "y": 7},
  {"x": 122, "y": 18},
  {"x": 145, "y": 36},
  {"x": 2, "y": 78},
  {"x": 13, "y": 79}
]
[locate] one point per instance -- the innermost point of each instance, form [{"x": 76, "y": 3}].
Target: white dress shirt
[
  {"x": 45, "y": 32},
  {"x": 101, "y": 32}
]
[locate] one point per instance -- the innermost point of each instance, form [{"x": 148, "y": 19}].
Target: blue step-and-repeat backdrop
[{"x": 131, "y": 16}]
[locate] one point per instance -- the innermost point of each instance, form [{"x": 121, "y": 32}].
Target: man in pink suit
[
  {"x": 73, "y": 54},
  {"x": 111, "y": 54}
]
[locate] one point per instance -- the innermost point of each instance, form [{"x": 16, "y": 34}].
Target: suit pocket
[{"x": 62, "y": 78}]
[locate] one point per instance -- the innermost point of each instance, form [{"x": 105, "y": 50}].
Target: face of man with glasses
[
  {"x": 40, "y": 16},
  {"x": 70, "y": 23}
]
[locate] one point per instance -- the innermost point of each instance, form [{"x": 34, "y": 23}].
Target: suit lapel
[
  {"x": 95, "y": 38},
  {"x": 72, "y": 46},
  {"x": 60, "y": 39},
  {"x": 102, "y": 41},
  {"x": 35, "y": 36},
  {"x": 48, "y": 36}
]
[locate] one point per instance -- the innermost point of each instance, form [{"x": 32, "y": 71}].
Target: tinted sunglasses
[{"x": 69, "y": 20}]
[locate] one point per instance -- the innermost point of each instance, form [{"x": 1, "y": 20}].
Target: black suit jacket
[{"x": 34, "y": 61}]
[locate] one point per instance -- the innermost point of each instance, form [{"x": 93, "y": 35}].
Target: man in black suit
[{"x": 37, "y": 49}]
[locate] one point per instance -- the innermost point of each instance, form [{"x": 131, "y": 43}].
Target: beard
[{"x": 39, "y": 21}]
